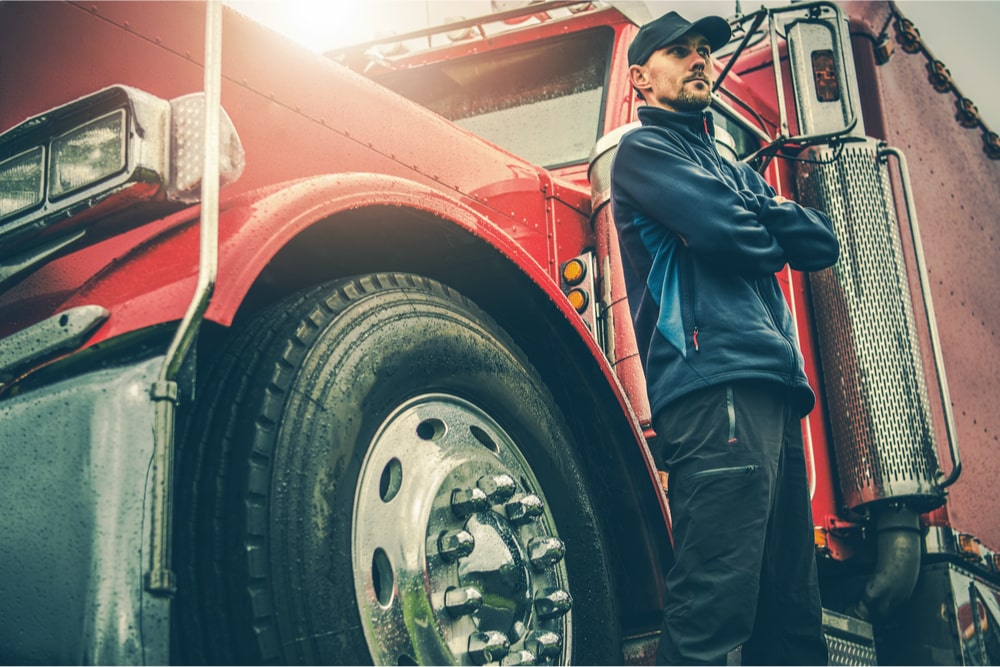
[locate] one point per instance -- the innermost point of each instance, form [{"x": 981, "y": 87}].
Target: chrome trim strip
[
  {"x": 15, "y": 268},
  {"x": 62, "y": 332}
]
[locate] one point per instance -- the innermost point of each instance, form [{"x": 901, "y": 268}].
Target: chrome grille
[{"x": 876, "y": 390}]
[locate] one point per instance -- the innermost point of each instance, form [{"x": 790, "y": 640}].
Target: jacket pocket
[
  {"x": 730, "y": 471},
  {"x": 768, "y": 305}
]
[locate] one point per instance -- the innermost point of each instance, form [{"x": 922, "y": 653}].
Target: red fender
[{"x": 154, "y": 283}]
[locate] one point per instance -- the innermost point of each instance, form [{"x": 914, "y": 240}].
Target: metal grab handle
[
  {"x": 160, "y": 579},
  {"x": 925, "y": 289}
]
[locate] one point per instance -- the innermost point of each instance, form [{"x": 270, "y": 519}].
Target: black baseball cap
[{"x": 671, "y": 27}]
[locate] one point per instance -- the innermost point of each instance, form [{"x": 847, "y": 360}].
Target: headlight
[
  {"x": 93, "y": 161},
  {"x": 21, "y": 181},
  {"x": 87, "y": 154}
]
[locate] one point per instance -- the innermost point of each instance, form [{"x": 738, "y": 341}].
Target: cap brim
[{"x": 715, "y": 29}]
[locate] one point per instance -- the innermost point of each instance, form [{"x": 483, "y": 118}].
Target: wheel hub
[
  {"x": 456, "y": 556},
  {"x": 498, "y": 569}
]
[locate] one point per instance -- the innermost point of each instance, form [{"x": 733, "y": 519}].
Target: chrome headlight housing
[{"x": 101, "y": 155}]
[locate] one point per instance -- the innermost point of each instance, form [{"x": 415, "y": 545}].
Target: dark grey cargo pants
[{"x": 745, "y": 568}]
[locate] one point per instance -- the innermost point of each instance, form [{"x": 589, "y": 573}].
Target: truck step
[{"x": 849, "y": 641}]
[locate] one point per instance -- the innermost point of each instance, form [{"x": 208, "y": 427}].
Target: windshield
[{"x": 541, "y": 101}]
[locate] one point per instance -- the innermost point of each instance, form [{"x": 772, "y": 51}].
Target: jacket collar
[{"x": 694, "y": 123}]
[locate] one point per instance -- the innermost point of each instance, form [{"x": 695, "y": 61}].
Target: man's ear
[{"x": 638, "y": 77}]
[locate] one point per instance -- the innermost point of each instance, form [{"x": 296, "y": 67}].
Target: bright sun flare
[{"x": 316, "y": 24}]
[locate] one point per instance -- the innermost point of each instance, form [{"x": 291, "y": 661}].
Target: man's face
[{"x": 678, "y": 76}]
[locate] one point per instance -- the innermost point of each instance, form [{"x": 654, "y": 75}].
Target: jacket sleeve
[
  {"x": 710, "y": 216},
  {"x": 804, "y": 234},
  {"x": 744, "y": 227}
]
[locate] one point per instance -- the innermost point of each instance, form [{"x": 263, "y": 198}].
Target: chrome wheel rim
[{"x": 456, "y": 556}]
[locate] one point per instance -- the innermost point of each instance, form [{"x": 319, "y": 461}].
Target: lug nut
[
  {"x": 524, "y": 509},
  {"x": 488, "y": 646},
  {"x": 466, "y": 502},
  {"x": 462, "y": 601},
  {"x": 521, "y": 657},
  {"x": 455, "y": 544},
  {"x": 498, "y": 488},
  {"x": 544, "y": 644},
  {"x": 553, "y": 604},
  {"x": 545, "y": 551},
  {"x": 517, "y": 631}
]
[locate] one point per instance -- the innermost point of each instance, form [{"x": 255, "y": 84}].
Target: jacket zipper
[
  {"x": 690, "y": 294},
  {"x": 710, "y": 142}
]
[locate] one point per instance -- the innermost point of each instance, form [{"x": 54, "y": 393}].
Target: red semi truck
[{"x": 377, "y": 398}]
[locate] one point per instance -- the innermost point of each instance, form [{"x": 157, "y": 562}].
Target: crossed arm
[{"x": 732, "y": 216}]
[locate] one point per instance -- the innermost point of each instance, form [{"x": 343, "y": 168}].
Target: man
[{"x": 701, "y": 240}]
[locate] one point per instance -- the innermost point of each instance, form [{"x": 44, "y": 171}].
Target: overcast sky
[{"x": 960, "y": 33}]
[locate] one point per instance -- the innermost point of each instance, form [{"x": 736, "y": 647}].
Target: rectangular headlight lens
[
  {"x": 88, "y": 154},
  {"x": 21, "y": 181}
]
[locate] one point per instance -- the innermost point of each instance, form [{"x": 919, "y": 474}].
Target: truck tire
[{"x": 375, "y": 473}]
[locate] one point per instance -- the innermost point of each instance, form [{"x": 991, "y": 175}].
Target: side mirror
[
  {"x": 823, "y": 77},
  {"x": 822, "y": 71}
]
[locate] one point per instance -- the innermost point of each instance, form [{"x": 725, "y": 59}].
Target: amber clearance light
[
  {"x": 578, "y": 299},
  {"x": 574, "y": 271}
]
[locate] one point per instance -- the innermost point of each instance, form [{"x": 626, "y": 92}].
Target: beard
[{"x": 691, "y": 100}]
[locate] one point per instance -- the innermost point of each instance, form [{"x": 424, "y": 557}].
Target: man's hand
[{"x": 778, "y": 199}]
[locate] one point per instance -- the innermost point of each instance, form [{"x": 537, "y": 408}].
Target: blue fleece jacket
[{"x": 701, "y": 239}]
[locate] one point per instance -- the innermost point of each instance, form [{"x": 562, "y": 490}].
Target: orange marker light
[
  {"x": 968, "y": 546},
  {"x": 574, "y": 271},
  {"x": 819, "y": 538},
  {"x": 578, "y": 299}
]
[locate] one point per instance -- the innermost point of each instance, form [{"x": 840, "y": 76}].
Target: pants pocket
[
  {"x": 728, "y": 471},
  {"x": 731, "y": 413}
]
